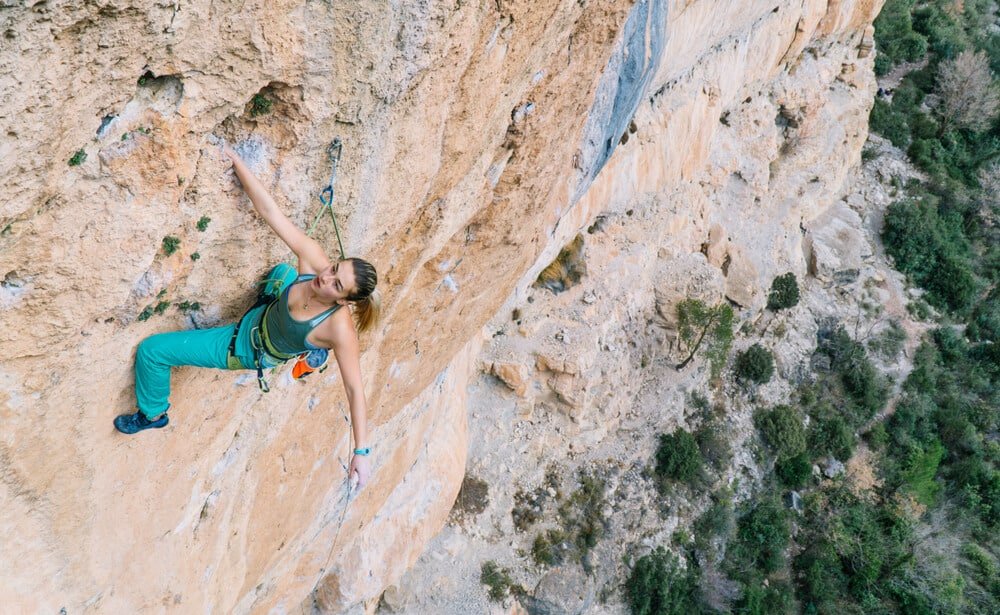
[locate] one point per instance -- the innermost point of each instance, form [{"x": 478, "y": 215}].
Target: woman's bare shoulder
[{"x": 337, "y": 330}]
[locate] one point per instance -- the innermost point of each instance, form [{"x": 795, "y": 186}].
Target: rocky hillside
[{"x": 480, "y": 140}]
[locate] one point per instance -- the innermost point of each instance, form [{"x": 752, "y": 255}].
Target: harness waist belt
[{"x": 265, "y": 338}]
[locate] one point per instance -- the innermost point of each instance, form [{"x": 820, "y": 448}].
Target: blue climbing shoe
[{"x": 134, "y": 423}]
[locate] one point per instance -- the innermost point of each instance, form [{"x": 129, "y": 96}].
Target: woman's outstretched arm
[
  {"x": 310, "y": 254},
  {"x": 348, "y": 353}
]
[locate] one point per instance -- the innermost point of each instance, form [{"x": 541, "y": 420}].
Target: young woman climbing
[{"x": 308, "y": 315}]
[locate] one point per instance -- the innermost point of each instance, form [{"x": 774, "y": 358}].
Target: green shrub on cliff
[
  {"x": 783, "y": 430},
  {"x": 932, "y": 249},
  {"x": 784, "y": 292},
  {"x": 658, "y": 585},
  {"x": 755, "y": 364},
  {"x": 678, "y": 458},
  {"x": 895, "y": 39}
]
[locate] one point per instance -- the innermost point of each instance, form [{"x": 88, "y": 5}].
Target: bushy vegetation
[
  {"x": 853, "y": 548},
  {"x": 762, "y": 535},
  {"x": 755, "y": 364},
  {"x": 895, "y": 38},
  {"x": 783, "y": 431},
  {"x": 678, "y": 458},
  {"x": 658, "y": 585},
  {"x": 866, "y": 389},
  {"x": 859, "y": 551},
  {"x": 941, "y": 428},
  {"x": 929, "y": 246},
  {"x": 498, "y": 581},
  {"x": 945, "y": 115},
  {"x": 784, "y": 292}
]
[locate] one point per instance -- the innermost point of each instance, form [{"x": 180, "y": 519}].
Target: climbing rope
[
  {"x": 326, "y": 197},
  {"x": 343, "y": 513}
]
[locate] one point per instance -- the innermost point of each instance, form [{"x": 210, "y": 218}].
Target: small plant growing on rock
[
  {"x": 259, "y": 105},
  {"x": 581, "y": 514},
  {"x": 473, "y": 497},
  {"x": 678, "y": 458},
  {"x": 527, "y": 508},
  {"x": 203, "y": 223},
  {"x": 889, "y": 343},
  {"x": 161, "y": 307},
  {"x": 188, "y": 306},
  {"x": 755, "y": 364},
  {"x": 170, "y": 244},
  {"x": 498, "y": 580},
  {"x": 714, "y": 445},
  {"x": 195, "y": 256},
  {"x": 146, "y": 313},
  {"x": 784, "y": 292},
  {"x": 551, "y": 547},
  {"x": 78, "y": 158},
  {"x": 717, "y": 522}
]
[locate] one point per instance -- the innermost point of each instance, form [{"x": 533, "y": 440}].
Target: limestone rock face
[{"x": 479, "y": 138}]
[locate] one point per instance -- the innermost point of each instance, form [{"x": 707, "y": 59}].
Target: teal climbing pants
[{"x": 199, "y": 348}]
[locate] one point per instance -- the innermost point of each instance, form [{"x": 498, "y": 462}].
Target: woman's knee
[{"x": 151, "y": 348}]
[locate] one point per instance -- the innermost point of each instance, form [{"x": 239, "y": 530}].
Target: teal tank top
[{"x": 286, "y": 334}]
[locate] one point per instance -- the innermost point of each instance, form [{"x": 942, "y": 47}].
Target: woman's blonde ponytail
[
  {"x": 367, "y": 311},
  {"x": 366, "y": 298}
]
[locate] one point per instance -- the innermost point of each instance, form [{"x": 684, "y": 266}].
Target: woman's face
[{"x": 335, "y": 283}]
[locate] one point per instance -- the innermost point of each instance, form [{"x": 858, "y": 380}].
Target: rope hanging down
[{"x": 326, "y": 198}]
